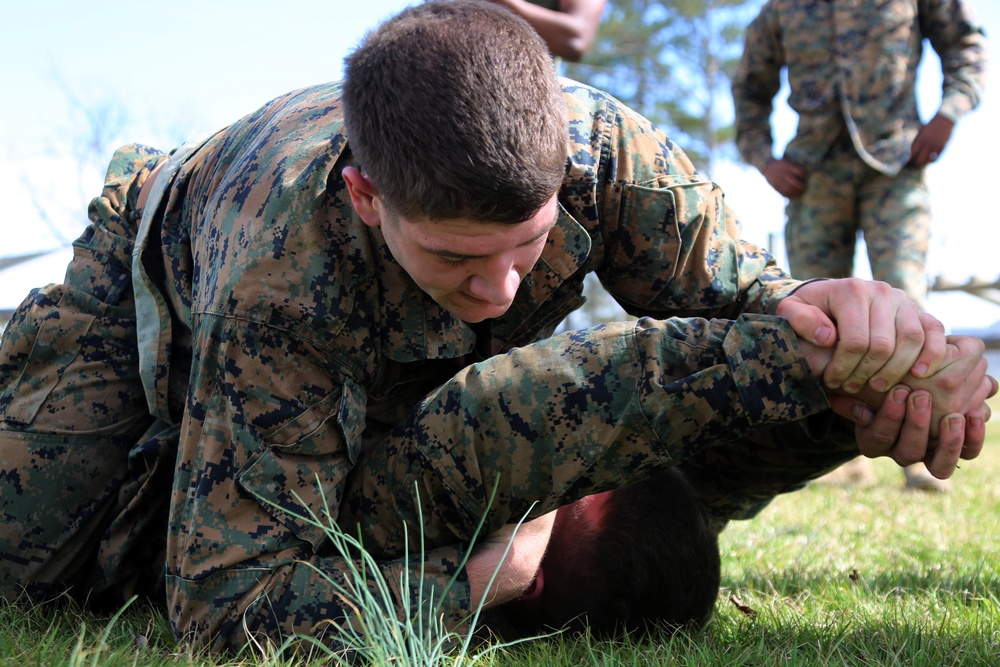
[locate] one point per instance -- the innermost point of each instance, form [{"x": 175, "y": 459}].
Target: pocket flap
[{"x": 300, "y": 470}]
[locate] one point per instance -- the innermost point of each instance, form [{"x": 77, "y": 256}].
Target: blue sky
[{"x": 181, "y": 68}]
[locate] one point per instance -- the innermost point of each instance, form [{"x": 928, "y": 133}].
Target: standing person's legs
[
  {"x": 72, "y": 409},
  {"x": 821, "y": 226},
  {"x": 896, "y": 220}
]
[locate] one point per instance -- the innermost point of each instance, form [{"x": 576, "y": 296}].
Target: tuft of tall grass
[{"x": 380, "y": 630}]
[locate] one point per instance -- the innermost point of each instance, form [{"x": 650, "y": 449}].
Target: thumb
[
  {"x": 809, "y": 322},
  {"x": 852, "y": 409}
]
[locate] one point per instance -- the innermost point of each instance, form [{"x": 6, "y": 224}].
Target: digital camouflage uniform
[
  {"x": 852, "y": 69},
  {"x": 257, "y": 328}
]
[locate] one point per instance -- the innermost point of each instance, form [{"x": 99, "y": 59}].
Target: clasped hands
[{"x": 913, "y": 393}]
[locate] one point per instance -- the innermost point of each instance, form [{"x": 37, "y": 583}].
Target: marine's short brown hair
[{"x": 453, "y": 110}]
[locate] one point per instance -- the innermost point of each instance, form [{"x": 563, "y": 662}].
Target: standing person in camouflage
[
  {"x": 277, "y": 320},
  {"x": 856, "y": 163}
]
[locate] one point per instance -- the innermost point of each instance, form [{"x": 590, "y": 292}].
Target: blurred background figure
[
  {"x": 856, "y": 163},
  {"x": 567, "y": 26}
]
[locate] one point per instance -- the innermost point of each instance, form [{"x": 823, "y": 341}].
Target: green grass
[{"x": 826, "y": 576}]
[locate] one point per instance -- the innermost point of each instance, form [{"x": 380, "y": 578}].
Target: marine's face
[{"x": 470, "y": 268}]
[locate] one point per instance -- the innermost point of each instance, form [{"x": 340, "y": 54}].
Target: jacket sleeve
[
  {"x": 754, "y": 86},
  {"x": 960, "y": 41},
  {"x": 668, "y": 245}
]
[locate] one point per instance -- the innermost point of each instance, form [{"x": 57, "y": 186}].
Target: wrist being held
[{"x": 938, "y": 419}]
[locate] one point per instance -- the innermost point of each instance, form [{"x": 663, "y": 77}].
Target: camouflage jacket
[
  {"x": 277, "y": 329},
  {"x": 853, "y": 62}
]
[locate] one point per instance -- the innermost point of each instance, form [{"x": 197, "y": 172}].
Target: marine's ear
[
  {"x": 364, "y": 196},
  {"x": 534, "y": 590}
]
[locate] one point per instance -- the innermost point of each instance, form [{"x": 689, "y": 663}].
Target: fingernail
[
  {"x": 975, "y": 421},
  {"x": 955, "y": 425},
  {"x": 919, "y": 369},
  {"x": 899, "y": 395},
  {"x": 852, "y": 388},
  {"x": 823, "y": 334},
  {"x": 880, "y": 385},
  {"x": 921, "y": 403},
  {"x": 863, "y": 415}
]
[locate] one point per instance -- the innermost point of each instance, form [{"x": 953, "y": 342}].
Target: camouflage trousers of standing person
[
  {"x": 844, "y": 196},
  {"x": 87, "y": 474}
]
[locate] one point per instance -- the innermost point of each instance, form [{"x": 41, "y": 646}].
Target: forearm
[
  {"x": 753, "y": 131},
  {"x": 504, "y": 564},
  {"x": 762, "y": 288},
  {"x": 568, "y": 34},
  {"x": 581, "y": 413},
  {"x": 754, "y": 86}
]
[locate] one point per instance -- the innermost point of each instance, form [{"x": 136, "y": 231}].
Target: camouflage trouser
[
  {"x": 845, "y": 196},
  {"x": 86, "y": 473}
]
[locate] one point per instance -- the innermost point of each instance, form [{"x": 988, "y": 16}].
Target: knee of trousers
[
  {"x": 57, "y": 494},
  {"x": 69, "y": 366}
]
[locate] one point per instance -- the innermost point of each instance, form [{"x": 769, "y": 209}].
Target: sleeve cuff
[
  {"x": 773, "y": 379},
  {"x": 436, "y": 584}
]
